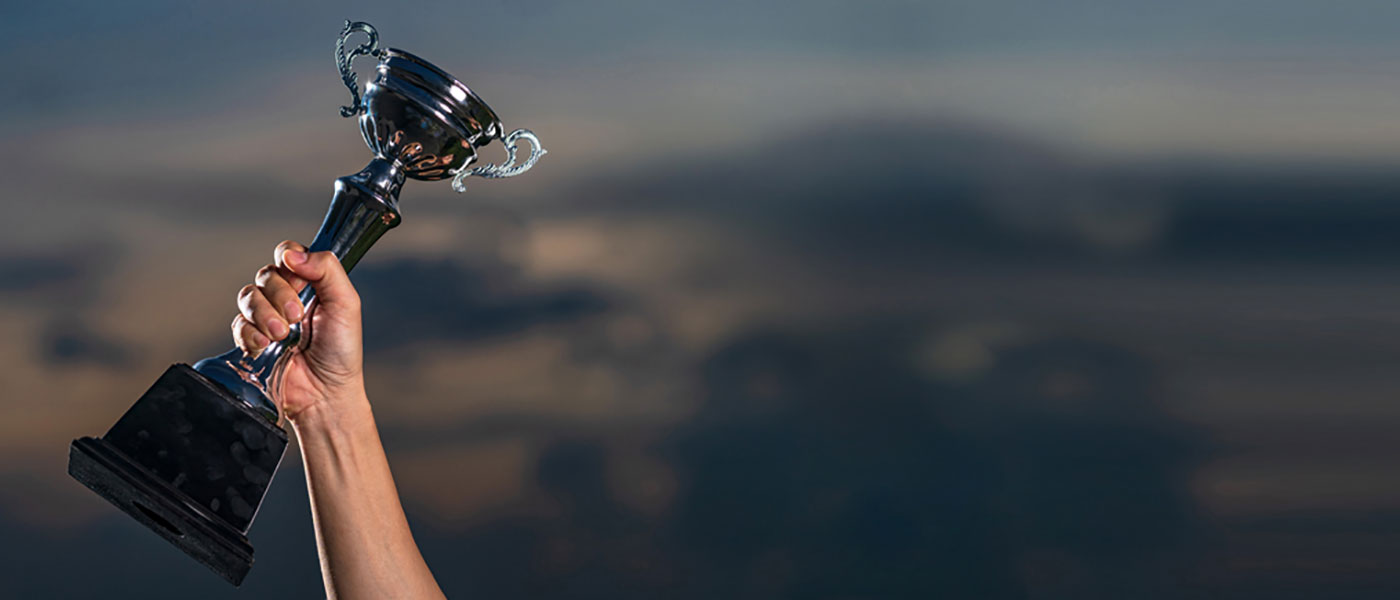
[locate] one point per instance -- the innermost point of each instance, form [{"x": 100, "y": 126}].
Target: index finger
[{"x": 278, "y": 258}]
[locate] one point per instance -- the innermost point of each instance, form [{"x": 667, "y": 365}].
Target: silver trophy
[{"x": 194, "y": 456}]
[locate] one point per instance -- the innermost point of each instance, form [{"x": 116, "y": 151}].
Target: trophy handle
[
  {"x": 342, "y": 61},
  {"x": 508, "y": 168}
]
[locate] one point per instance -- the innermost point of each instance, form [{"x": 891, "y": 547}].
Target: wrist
[{"x": 342, "y": 412}]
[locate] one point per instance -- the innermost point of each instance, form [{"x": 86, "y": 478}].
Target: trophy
[{"x": 193, "y": 457}]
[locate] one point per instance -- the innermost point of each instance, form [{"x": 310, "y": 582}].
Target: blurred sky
[{"x": 1000, "y": 299}]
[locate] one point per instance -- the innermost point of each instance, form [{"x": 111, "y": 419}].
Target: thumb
[{"x": 325, "y": 273}]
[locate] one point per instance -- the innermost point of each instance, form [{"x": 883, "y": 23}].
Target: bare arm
[{"x": 366, "y": 548}]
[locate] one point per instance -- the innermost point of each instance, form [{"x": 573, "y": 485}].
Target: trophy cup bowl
[
  {"x": 193, "y": 457},
  {"x": 423, "y": 118}
]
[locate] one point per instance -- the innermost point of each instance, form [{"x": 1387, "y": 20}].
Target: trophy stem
[{"x": 363, "y": 208}]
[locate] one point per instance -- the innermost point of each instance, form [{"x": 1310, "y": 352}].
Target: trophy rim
[{"x": 466, "y": 106}]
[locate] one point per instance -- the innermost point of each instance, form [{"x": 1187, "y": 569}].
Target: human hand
[{"x": 328, "y": 373}]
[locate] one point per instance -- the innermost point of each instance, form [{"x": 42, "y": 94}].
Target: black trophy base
[
  {"x": 190, "y": 462},
  {"x": 131, "y": 487}
]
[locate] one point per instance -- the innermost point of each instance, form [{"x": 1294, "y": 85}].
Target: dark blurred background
[{"x": 1004, "y": 299}]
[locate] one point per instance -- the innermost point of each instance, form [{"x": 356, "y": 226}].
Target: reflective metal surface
[
  {"x": 421, "y": 123},
  {"x": 507, "y": 168},
  {"x": 343, "y": 61},
  {"x": 363, "y": 208}
]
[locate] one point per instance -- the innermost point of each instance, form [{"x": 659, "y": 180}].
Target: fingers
[
  {"x": 324, "y": 272},
  {"x": 279, "y": 293},
  {"x": 279, "y": 255},
  {"x": 258, "y": 310},
  {"x": 247, "y": 336},
  {"x": 269, "y": 306}
]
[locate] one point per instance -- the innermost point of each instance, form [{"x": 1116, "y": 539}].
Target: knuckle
[
  {"x": 249, "y": 341},
  {"x": 273, "y": 285},
  {"x": 243, "y": 333},
  {"x": 246, "y": 291},
  {"x": 281, "y": 250}
]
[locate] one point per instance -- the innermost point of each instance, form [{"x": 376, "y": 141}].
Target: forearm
[{"x": 366, "y": 548}]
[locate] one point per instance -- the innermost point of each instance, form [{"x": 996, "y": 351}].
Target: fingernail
[
  {"x": 277, "y": 328},
  {"x": 260, "y": 340},
  {"x": 293, "y": 310},
  {"x": 294, "y": 257}
]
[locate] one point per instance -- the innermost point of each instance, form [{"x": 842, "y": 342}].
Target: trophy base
[
  {"x": 128, "y": 486},
  {"x": 191, "y": 463}
]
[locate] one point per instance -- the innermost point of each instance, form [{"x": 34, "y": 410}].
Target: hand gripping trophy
[{"x": 192, "y": 458}]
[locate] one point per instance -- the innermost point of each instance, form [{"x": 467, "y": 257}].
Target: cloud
[
  {"x": 416, "y": 300},
  {"x": 60, "y": 276},
  {"x": 802, "y": 433},
  {"x": 971, "y": 189},
  {"x": 70, "y": 342}
]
